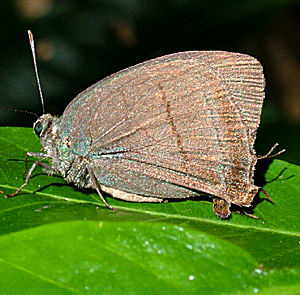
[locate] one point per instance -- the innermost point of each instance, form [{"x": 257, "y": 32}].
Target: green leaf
[{"x": 61, "y": 240}]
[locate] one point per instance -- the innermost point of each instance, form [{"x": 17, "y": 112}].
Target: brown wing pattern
[
  {"x": 175, "y": 125},
  {"x": 244, "y": 75}
]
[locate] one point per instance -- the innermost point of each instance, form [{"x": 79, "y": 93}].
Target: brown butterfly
[{"x": 172, "y": 127}]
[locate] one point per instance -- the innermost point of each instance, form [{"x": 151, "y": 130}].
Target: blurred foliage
[{"x": 81, "y": 42}]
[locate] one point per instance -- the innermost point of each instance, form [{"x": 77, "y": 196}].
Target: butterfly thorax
[{"x": 57, "y": 146}]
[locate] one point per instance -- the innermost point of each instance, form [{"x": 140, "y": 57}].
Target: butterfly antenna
[
  {"x": 31, "y": 41},
  {"x": 19, "y": 111}
]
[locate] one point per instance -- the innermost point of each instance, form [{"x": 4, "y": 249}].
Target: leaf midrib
[
  {"x": 162, "y": 214},
  {"x": 52, "y": 282}
]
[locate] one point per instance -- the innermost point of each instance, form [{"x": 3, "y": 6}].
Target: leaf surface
[{"x": 59, "y": 238}]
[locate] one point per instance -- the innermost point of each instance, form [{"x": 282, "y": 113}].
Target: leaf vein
[{"x": 39, "y": 276}]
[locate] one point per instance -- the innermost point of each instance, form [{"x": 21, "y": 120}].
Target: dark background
[{"x": 81, "y": 42}]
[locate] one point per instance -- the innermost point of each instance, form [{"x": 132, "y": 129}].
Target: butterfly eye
[{"x": 38, "y": 128}]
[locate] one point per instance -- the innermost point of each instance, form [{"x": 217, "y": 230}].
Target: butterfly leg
[
  {"x": 96, "y": 187},
  {"x": 38, "y": 155},
  {"x": 221, "y": 208},
  {"x": 36, "y": 163},
  {"x": 268, "y": 154},
  {"x": 247, "y": 214},
  {"x": 267, "y": 195}
]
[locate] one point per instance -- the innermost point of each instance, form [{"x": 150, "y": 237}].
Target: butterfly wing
[{"x": 174, "y": 126}]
